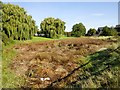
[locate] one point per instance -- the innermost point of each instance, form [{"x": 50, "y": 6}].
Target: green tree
[
  {"x": 78, "y": 30},
  {"x": 113, "y": 32},
  {"x": 52, "y": 27},
  {"x": 16, "y": 24},
  {"x": 91, "y": 32},
  {"x": 109, "y": 31},
  {"x": 105, "y": 31}
]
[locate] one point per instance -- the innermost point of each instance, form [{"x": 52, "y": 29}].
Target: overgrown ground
[{"x": 73, "y": 62}]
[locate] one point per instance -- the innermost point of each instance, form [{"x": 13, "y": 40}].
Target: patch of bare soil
[{"x": 43, "y": 63}]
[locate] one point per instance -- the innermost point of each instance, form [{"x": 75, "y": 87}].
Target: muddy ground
[{"x": 47, "y": 62}]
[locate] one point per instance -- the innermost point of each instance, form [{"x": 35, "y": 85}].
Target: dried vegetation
[{"x": 56, "y": 60}]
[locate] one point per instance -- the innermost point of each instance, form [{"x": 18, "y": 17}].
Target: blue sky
[{"x": 91, "y": 14}]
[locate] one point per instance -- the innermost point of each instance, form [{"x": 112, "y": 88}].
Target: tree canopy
[
  {"x": 78, "y": 30},
  {"x": 109, "y": 31},
  {"x": 52, "y": 27},
  {"x": 16, "y": 23},
  {"x": 91, "y": 32}
]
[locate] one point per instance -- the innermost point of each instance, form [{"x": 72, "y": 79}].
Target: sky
[
  {"x": 91, "y": 14},
  {"x": 119, "y": 13}
]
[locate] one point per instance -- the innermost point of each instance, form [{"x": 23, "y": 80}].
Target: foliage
[
  {"x": 38, "y": 32},
  {"x": 9, "y": 78},
  {"x": 78, "y": 30},
  {"x": 17, "y": 25},
  {"x": 109, "y": 31},
  {"x": 52, "y": 27},
  {"x": 68, "y": 34},
  {"x": 91, "y": 32},
  {"x": 119, "y": 33},
  {"x": 5, "y": 39}
]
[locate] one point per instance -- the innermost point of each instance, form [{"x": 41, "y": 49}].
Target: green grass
[
  {"x": 34, "y": 39},
  {"x": 37, "y": 39},
  {"x": 9, "y": 79},
  {"x": 64, "y": 37}
]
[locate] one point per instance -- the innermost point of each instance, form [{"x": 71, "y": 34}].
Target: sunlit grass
[
  {"x": 101, "y": 37},
  {"x": 9, "y": 79}
]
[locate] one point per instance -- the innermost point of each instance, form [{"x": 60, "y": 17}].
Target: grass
[
  {"x": 101, "y": 37},
  {"x": 9, "y": 79},
  {"x": 37, "y": 39},
  {"x": 64, "y": 37},
  {"x": 34, "y": 39},
  {"x": 102, "y": 71}
]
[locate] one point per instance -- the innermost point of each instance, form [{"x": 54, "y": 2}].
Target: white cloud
[{"x": 97, "y": 14}]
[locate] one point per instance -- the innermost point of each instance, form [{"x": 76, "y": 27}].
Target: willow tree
[
  {"x": 17, "y": 24},
  {"x": 52, "y": 27}
]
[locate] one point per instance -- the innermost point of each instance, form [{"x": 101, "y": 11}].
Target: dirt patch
[{"x": 52, "y": 59}]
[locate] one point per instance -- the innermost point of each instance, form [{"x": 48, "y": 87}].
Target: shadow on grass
[
  {"x": 104, "y": 60},
  {"x": 100, "y": 62}
]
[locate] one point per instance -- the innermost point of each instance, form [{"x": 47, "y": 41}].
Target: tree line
[
  {"x": 104, "y": 31},
  {"x": 53, "y": 28},
  {"x": 16, "y": 24}
]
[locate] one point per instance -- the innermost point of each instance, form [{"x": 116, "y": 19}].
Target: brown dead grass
[{"x": 53, "y": 59}]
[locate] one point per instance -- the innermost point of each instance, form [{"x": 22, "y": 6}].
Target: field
[
  {"x": 67, "y": 62},
  {"x": 60, "y": 46}
]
